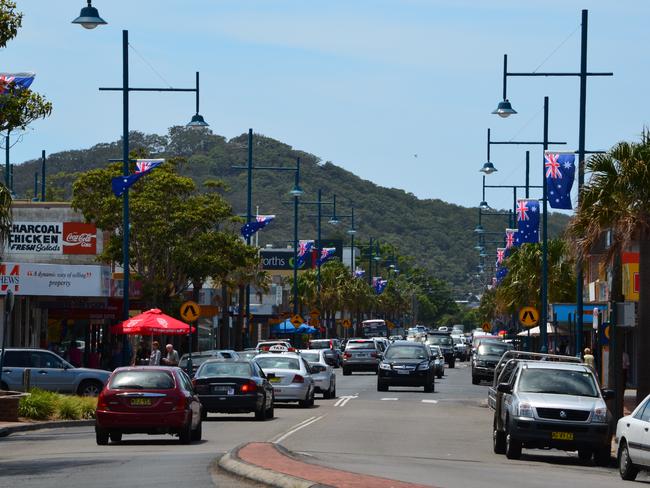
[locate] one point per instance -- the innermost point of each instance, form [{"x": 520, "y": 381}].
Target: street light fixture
[
  {"x": 504, "y": 109},
  {"x": 483, "y": 205},
  {"x": 479, "y": 229},
  {"x": 89, "y": 17},
  {"x": 197, "y": 121},
  {"x": 488, "y": 168}
]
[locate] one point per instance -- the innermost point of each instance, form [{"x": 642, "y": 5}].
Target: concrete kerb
[
  {"x": 231, "y": 463},
  {"x": 12, "y": 429}
]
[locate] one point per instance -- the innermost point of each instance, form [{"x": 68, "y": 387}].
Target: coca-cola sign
[{"x": 79, "y": 238}]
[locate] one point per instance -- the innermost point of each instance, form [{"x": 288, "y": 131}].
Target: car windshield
[
  {"x": 558, "y": 381},
  {"x": 197, "y": 359},
  {"x": 247, "y": 354},
  {"x": 142, "y": 380},
  {"x": 360, "y": 345},
  {"x": 319, "y": 345},
  {"x": 279, "y": 362},
  {"x": 440, "y": 340},
  {"x": 493, "y": 349},
  {"x": 224, "y": 369},
  {"x": 312, "y": 357},
  {"x": 406, "y": 352}
]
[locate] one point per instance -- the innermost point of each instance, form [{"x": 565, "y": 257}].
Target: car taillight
[
  {"x": 298, "y": 379},
  {"x": 291, "y": 349},
  {"x": 182, "y": 403},
  {"x": 347, "y": 355},
  {"x": 249, "y": 387},
  {"x": 102, "y": 404}
]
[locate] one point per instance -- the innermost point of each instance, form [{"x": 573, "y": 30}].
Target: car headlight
[
  {"x": 480, "y": 362},
  {"x": 384, "y": 366},
  {"x": 525, "y": 410},
  {"x": 599, "y": 414},
  {"x": 424, "y": 365}
]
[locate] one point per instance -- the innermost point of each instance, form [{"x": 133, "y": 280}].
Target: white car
[
  {"x": 323, "y": 373},
  {"x": 633, "y": 441},
  {"x": 290, "y": 375}
]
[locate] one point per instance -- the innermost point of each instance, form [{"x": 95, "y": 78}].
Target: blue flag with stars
[
  {"x": 250, "y": 228},
  {"x": 120, "y": 184},
  {"x": 560, "y": 170},
  {"x": 527, "y": 221}
]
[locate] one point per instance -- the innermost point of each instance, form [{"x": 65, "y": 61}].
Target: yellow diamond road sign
[
  {"x": 347, "y": 324},
  {"x": 486, "y": 327},
  {"x": 528, "y": 316},
  {"x": 296, "y": 320},
  {"x": 190, "y": 311}
]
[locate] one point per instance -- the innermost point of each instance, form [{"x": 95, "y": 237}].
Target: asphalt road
[{"x": 442, "y": 439}]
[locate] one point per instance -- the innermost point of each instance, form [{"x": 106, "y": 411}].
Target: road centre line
[
  {"x": 429, "y": 401},
  {"x": 343, "y": 400},
  {"x": 297, "y": 425},
  {"x": 390, "y": 399},
  {"x": 295, "y": 429}
]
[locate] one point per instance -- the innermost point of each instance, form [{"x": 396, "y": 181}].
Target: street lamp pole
[
  {"x": 544, "y": 295},
  {"x": 295, "y": 239}
]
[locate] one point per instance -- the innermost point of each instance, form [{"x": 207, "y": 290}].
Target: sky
[{"x": 397, "y": 91}]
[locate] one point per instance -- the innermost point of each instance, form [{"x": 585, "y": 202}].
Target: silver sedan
[
  {"x": 323, "y": 373},
  {"x": 290, "y": 376}
]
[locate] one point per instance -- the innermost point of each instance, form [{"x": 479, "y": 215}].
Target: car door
[
  {"x": 639, "y": 442},
  {"x": 49, "y": 372},
  {"x": 13, "y": 366}
]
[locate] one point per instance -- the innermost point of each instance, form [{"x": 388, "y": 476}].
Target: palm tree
[
  {"x": 617, "y": 199},
  {"x": 5, "y": 214}
]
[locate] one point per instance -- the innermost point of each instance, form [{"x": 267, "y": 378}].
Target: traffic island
[{"x": 273, "y": 465}]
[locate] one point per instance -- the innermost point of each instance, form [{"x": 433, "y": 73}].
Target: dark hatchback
[
  {"x": 228, "y": 386},
  {"x": 406, "y": 363},
  {"x": 486, "y": 358}
]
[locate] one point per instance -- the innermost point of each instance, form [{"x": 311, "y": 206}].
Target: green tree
[{"x": 617, "y": 200}]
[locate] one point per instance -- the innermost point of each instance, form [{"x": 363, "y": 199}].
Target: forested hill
[{"x": 437, "y": 234}]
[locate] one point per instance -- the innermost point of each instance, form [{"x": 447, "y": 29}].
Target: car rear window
[
  {"x": 319, "y": 345},
  {"x": 280, "y": 362},
  {"x": 312, "y": 357},
  {"x": 360, "y": 345},
  {"x": 142, "y": 380},
  {"x": 406, "y": 352},
  {"x": 224, "y": 369},
  {"x": 558, "y": 381},
  {"x": 493, "y": 349},
  {"x": 443, "y": 340}
]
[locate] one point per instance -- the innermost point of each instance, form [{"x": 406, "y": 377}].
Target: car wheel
[
  {"x": 584, "y": 455},
  {"x": 260, "y": 413},
  {"x": 429, "y": 388},
  {"x": 346, "y": 371},
  {"x": 513, "y": 447},
  {"x": 116, "y": 436},
  {"x": 307, "y": 402},
  {"x": 452, "y": 363},
  {"x": 185, "y": 435},
  {"x": 603, "y": 456},
  {"x": 476, "y": 380},
  {"x": 198, "y": 432},
  {"x": 382, "y": 386},
  {"x": 270, "y": 412},
  {"x": 89, "y": 388},
  {"x": 439, "y": 374},
  {"x": 626, "y": 468},
  {"x": 101, "y": 436},
  {"x": 328, "y": 394},
  {"x": 498, "y": 442},
  {"x": 204, "y": 414}
]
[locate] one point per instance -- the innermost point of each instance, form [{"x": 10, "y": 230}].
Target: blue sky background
[{"x": 366, "y": 84}]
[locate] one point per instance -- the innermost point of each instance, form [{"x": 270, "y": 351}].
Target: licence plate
[
  {"x": 402, "y": 371},
  {"x": 140, "y": 402},
  {"x": 275, "y": 380},
  {"x": 562, "y": 436},
  {"x": 223, "y": 390},
  {"x": 277, "y": 390},
  {"x": 361, "y": 355}
]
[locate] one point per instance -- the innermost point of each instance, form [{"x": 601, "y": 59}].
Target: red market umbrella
[{"x": 152, "y": 322}]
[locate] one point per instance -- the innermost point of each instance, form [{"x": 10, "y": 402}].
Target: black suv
[
  {"x": 406, "y": 363},
  {"x": 446, "y": 343},
  {"x": 486, "y": 358}
]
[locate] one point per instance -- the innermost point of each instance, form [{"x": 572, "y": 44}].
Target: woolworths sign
[{"x": 281, "y": 260}]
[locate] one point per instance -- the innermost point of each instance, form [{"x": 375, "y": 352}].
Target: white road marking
[
  {"x": 295, "y": 429},
  {"x": 342, "y": 401},
  {"x": 429, "y": 401},
  {"x": 390, "y": 399}
]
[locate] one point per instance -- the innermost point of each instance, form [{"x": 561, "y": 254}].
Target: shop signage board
[
  {"x": 52, "y": 238},
  {"x": 33, "y": 279}
]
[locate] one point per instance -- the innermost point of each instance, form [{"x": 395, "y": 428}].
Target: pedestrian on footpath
[
  {"x": 171, "y": 358},
  {"x": 154, "y": 359},
  {"x": 588, "y": 359}
]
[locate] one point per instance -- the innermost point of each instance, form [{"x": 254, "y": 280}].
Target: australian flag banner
[
  {"x": 560, "y": 172},
  {"x": 501, "y": 254},
  {"x": 502, "y": 271},
  {"x": 142, "y": 167},
  {"x": 379, "y": 284},
  {"x": 358, "y": 273},
  {"x": 527, "y": 221},
  {"x": 511, "y": 238},
  {"x": 304, "y": 248},
  {"x": 326, "y": 254},
  {"x": 261, "y": 221},
  {"x": 17, "y": 81}
]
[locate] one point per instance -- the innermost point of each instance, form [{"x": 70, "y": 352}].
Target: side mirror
[
  {"x": 504, "y": 388},
  {"x": 608, "y": 394}
]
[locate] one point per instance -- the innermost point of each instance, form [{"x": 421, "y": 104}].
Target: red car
[{"x": 148, "y": 400}]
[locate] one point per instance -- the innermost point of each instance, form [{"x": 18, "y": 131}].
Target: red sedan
[{"x": 148, "y": 400}]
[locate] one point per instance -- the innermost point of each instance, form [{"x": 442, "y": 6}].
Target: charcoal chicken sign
[{"x": 52, "y": 238}]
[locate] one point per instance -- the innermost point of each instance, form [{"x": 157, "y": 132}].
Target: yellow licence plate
[
  {"x": 141, "y": 401},
  {"x": 274, "y": 380},
  {"x": 562, "y": 436}
]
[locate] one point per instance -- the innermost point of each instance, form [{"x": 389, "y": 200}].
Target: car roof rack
[{"x": 530, "y": 356}]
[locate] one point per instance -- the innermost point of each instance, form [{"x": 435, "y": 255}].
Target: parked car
[
  {"x": 148, "y": 400},
  {"x": 485, "y": 360},
  {"x": 446, "y": 343},
  {"x": 247, "y": 354},
  {"x": 234, "y": 386},
  {"x": 461, "y": 349},
  {"x": 290, "y": 376},
  {"x": 438, "y": 360},
  {"x": 266, "y": 345},
  {"x": 406, "y": 363},
  {"x": 48, "y": 371},
  {"x": 550, "y": 404},
  {"x": 633, "y": 441},
  {"x": 361, "y": 355},
  {"x": 331, "y": 349},
  {"x": 322, "y": 372},
  {"x": 198, "y": 358}
]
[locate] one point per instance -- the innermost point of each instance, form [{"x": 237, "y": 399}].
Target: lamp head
[
  {"x": 296, "y": 192},
  {"x": 89, "y": 17},
  {"x": 483, "y": 205},
  {"x": 488, "y": 168},
  {"x": 197, "y": 122},
  {"x": 504, "y": 109},
  {"x": 479, "y": 229},
  {"x": 352, "y": 231},
  {"x": 334, "y": 220}
]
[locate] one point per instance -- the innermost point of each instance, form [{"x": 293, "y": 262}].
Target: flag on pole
[
  {"x": 560, "y": 172},
  {"x": 261, "y": 221},
  {"x": 326, "y": 254},
  {"x": 511, "y": 238},
  {"x": 120, "y": 184},
  {"x": 501, "y": 251},
  {"x": 358, "y": 273},
  {"x": 502, "y": 271},
  {"x": 18, "y": 81},
  {"x": 528, "y": 221},
  {"x": 378, "y": 284},
  {"x": 304, "y": 248}
]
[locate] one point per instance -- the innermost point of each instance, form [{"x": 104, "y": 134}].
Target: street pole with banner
[
  {"x": 9, "y": 305},
  {"x": 190, "y": 311}
]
